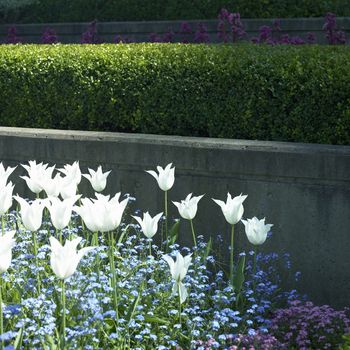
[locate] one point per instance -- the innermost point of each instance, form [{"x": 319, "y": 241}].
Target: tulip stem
[
  {"x": 254, "y": 266},
  {"x": 1, "y": 316},
  {"x": 231, "y": 253},
  {"x": 180, "y": 321},
  {"x": 193, "y": 234},
  {"x": 35, "y": 252},
  {"x": 150, "y": 247},
  {"x": 114, "y": 276},
  {"x": 63, "y": 300},
  {"x": 166, "y": 219}
]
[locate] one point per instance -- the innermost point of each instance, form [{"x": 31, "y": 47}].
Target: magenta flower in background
[
  {"x": 155, "y": 38},
  {"x": 12, "y": 37},
  {"x": 90, "y": 35},
  {"x": 311, "y": 38},
  {"x": 307, "y": 326},
  {"x": 232, "y": 21},
  {"x": 120, "y": 39},
  {"x": 201, "y": 34},
  {"x": 186, "y": 32},
  {"x": 333, "y": 34},
  {"x": 49, "y": 36},
  {"x": 168, "y": 37}
]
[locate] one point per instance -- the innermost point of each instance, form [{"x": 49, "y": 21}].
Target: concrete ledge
[{"x": 303, "y": 189}]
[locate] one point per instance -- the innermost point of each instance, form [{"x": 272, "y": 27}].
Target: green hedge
[
  {"x": 289, "y": 93},
  {"x": 32, "y": 11}
]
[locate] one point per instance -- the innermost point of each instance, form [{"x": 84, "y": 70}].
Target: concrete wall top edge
[{"x": 178, "y": 141}]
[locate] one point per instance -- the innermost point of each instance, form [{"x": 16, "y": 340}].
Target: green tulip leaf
[{"x": 238, "y": 279}]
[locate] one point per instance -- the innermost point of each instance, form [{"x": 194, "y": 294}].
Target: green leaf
[
  {"x": 174, "y": 232},
  {"x": 238, "y": 279},
  {"x": 19, "y": 339},
  {"x": 154, "y": 319},
  {"x": 132, "y": 308}
]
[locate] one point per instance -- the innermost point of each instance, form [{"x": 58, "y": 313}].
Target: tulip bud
[
  {"x": 61, "y": 211},
  {"x": 4, "y": 174},
  {"x": 6, "y": 198},
  {"x": 7, "y": 242},
  {"x": 233, "y": 208},
  {"x": 65, "y": 259},
  {"x": 178, "y": 270},
  {"x": 102, "y": 214},
  {"x": 256, "y": 230},
  {"x": 31, "y": 214},
  {"x": 72, "y": 171},
  {"x": 149, "y": 225},
  {"x": 188, "y": 207},
  {"x": 98, "y": 179},
  {"x": 165, "y": 178}
]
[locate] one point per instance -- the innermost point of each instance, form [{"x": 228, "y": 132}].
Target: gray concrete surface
[
  {"x": 139, "y": 31},
  {"x": 303, "y": 189}
]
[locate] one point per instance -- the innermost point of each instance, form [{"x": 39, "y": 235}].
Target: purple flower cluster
[
  {"x": 261, "y": 341},
  {"x": 333, "y": 34},
  {"x": 201, "y": 34},
  {"x": 305, "y": 326},
  {"x": 272, "y": 36},
  {"x": 12, "y": 36},
  {"x": 233, "y": 21},
  {"x": 49, "y": 36},
  {"x": 90, "y": 35}
]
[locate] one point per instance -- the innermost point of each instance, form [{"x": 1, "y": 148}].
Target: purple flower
[
  {"x": 155, "y": 38},
  {"x": 12, "y": 37},
  {"x": 186, "y": 32},
  {"x": 201, "y": 34},
  {"x": 232, "y": 20},
  {"x": 333, "y": 34},
  {"x": 305, "y": 326},
  {"x": 168, "y": 37},
  {"x": 90, "y": 35},
  {"x": 49, "y": 36}
]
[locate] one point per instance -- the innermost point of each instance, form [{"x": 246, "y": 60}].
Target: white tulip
[
  {"x": 51, "y": 186},
  {"x": 256, "y": 230},
  {"x": 165, "y": 178},
  {"x": 149, "y": 225},
  {"x": 233, "y": 208},
  {"x": 37, "y": 173},
  {"x": 6, "y": 193},
  {"x": 65, "y": 259},
  {"x": 102, "y": 214},
  {"x": 72, "y": 171},
  {"x": 188, "y": 207},
  {"x": 178, "y": 270},
  {"x": 7, "y": 242},
  {"x": 61, "y": 211},
  {"x": 68, "y": 187},
  {"x": 98, "y": 179},
  {"x": 4, "y": 174},
  {"x": 31, "y": 214}
]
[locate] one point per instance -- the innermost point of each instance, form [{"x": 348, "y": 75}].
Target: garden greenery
[
  {"x": 244, "y": 91},
  {"x": 140, "y": 10}
]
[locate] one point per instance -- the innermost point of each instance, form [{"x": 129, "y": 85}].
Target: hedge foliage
[
  {"x": 289, "y": 93},
  {"x": 33, "y": 11}
]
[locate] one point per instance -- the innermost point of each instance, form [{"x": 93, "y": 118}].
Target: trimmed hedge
[
  {"x": 140, "y": 10},
  {"x": 287, "y": 93}
]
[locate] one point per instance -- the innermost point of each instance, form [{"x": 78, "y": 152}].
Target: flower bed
[{"x": 131, "y": 285}]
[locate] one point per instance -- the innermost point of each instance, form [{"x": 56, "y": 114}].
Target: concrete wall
[
  {"x": 139, "y": 31},
  {"x": 304, "y": 190}
]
